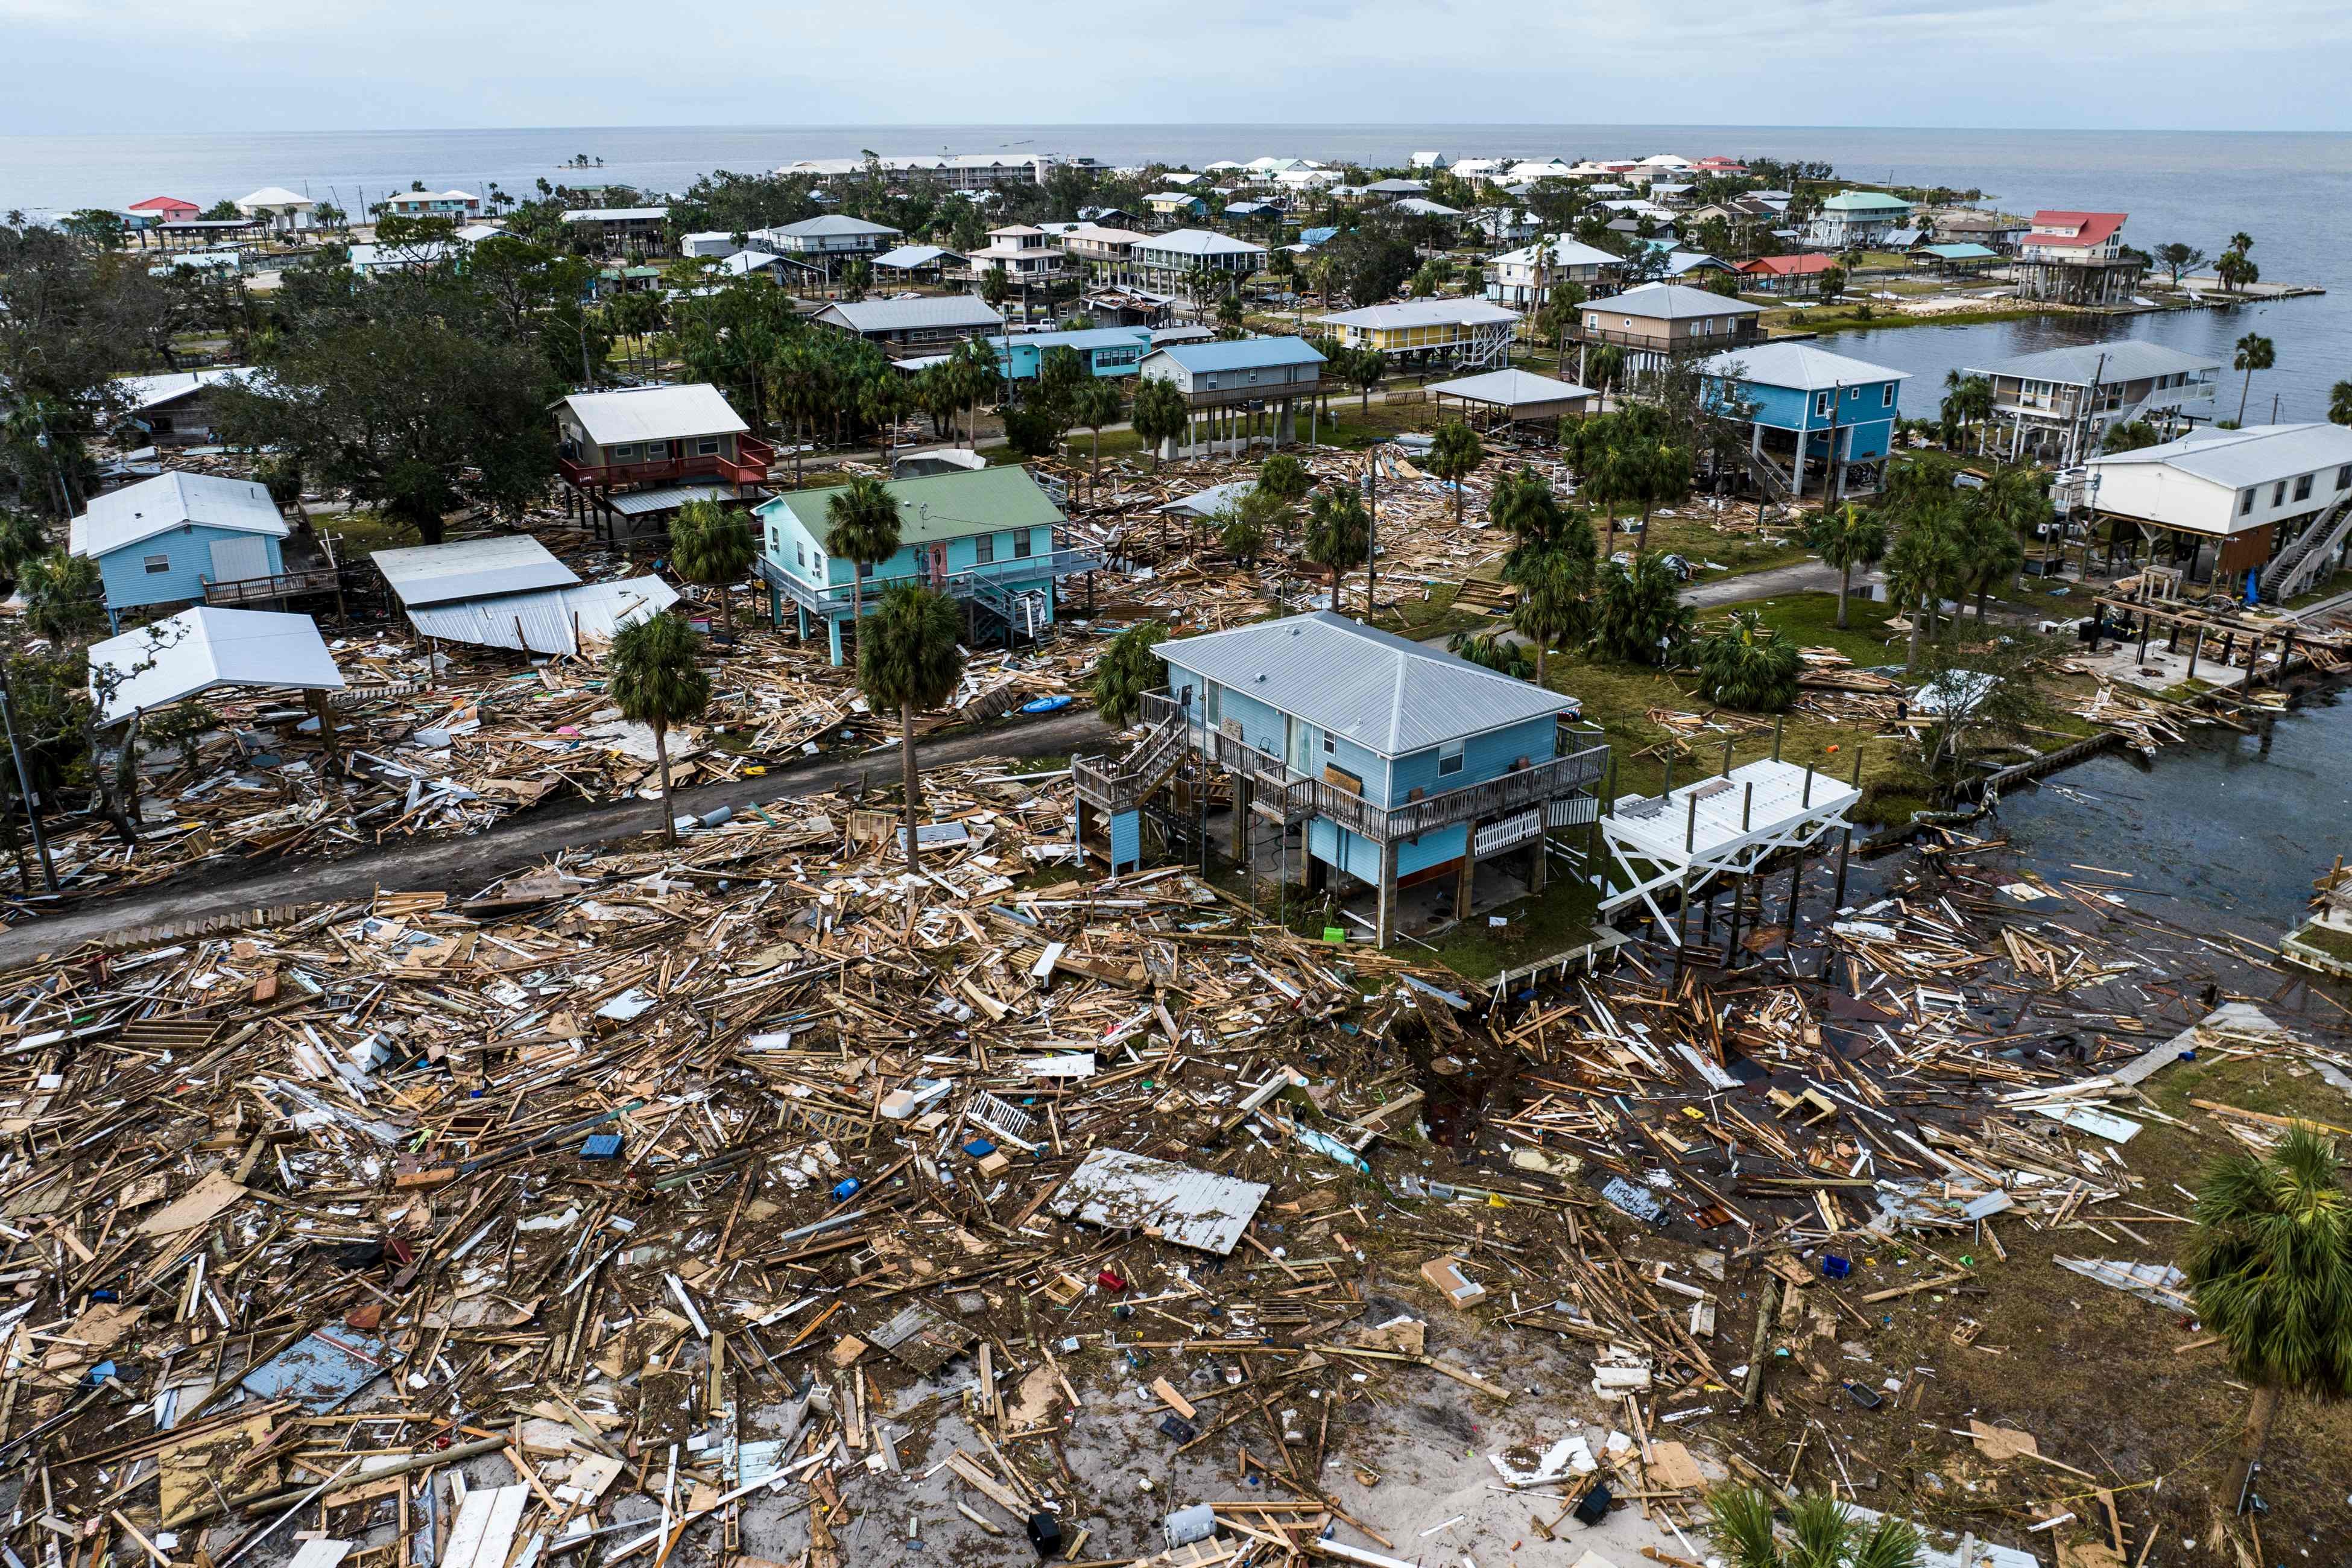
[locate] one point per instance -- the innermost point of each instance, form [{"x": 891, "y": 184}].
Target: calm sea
[{"x": 2288, "y": 191}]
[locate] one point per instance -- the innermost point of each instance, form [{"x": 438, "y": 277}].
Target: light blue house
[
  {"x": 1104, "y": 350},
  {"x": 1394, "y": 763},
  {"x": 1811, "y": 414},
  {"x": 987, "y": 537},
  {"x": 161, "y": 541}
]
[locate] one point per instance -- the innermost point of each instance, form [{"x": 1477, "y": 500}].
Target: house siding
[{"x": 130, "y": 584}]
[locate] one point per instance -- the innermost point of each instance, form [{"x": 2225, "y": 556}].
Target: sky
[{"x": 154, "y": 66}]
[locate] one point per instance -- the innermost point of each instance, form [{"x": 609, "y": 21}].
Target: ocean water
[{"x": 2289, "y": 191}]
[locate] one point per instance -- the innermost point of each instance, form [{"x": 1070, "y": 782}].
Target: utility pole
[
  {"x": 1371, "y": 530},
  {"x": 25, "y": 783}
]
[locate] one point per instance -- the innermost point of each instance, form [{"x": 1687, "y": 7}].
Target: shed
[
  {"x": 566, "y": 620},
  {"x": 1515, "y": 394},
  {"x": 200, "y": 648}
]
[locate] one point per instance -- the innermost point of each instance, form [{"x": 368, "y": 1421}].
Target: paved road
[{"x": 464, "y": 866}]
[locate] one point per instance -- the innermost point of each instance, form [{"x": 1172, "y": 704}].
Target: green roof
[
  {"x": 1850, "y": 201},
  {"x": 941, "y": 506}
]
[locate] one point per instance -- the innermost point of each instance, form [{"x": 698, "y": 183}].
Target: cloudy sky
[{"x": 147, "y": 66}]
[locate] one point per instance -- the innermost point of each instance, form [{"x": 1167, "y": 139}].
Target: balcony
[
  {"x": 973, "y": 582},
  {"x": 749, "y": 466},
  {"x": 272, "y": 589}
]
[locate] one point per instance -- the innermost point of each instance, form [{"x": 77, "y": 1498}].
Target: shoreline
[{"x": 1838, "y": 321}]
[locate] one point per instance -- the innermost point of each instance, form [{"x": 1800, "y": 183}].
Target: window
[
  {"x": 1209, "y": 383},
  {"x": 1209, "y": 702},
  {"x": 707, "y": 447},
  {"x": 2343, "y": 478},
  {"x": 1886, "y": 398},
  {"x": 1853, "y": 392},
  {"x": 1022, "y": 545},
  {"x": 1821, "y": 403},
  {"x": 655, "y": 450},
  {"x": 2245, "y": 501},
  {"x": 1449, "y": 758},
  {"x": 800, "y": 553},
  {"x": 1592, "y": 320},
  {"x": 625, "y": 454},
  {"x": 2278, "y": 493},
  {"x": 1331, "y": 746},
  {"x": 984, "y": 548},
  {"x": 158, "y": 563},
  {"x": 817, "y": 561},
  {"x": 2303, "y": 487}
]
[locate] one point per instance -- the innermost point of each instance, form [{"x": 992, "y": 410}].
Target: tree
[
  {"x": 1491, "y": 650},
  {"x": 653, "y": 676},
  {"x": 977, "y": 372},
  {"x": 1229, "y": 321},
  {"x": 861, "y": 528},
  {"x": 1453, "y": 457},
  {"x": 2234, "y": 267},
  {"x": 65, "y": 598},
  {"x": 713, "y": 545},
  {"x": 1244, "y": 528},
  {"x": 2270, "y": 1268},
  {"x": 1823, "y": 1535},
  {"x": 1604, "y": 366},
  {"x": 1285, "y": 476},
  {"x": 908, "y": 658},
  {"x": 1127, "y": 669},
  {"x": 937, "y": 396},
  {"x": 2339, "y": 402},
  {"x": 1642, "y": 617},
  {"x": 1557, "y": 320},
  {"x": 995, "y": 288},
  {"x": 1976, "y": 700},
  {"x": 2179, "y": 259},
  {"x": 2254, "y": 352},
  {"x": 1338, "y": 533},
  {"x": 1845, "y": 539},
  {"x": 1924, "y": 564},
  {"x": 1832, "y": 283},
  {"x": 856, "y": 278},
  {"x": 1746, "y": 664},
  {"x": 2136, "y": 436},
  {"x": 21, "y": 542},
  {"x": 1554, "y": 606},
  {"x": 1158, "y": 416},
  {"x": 1096, "y": 405}
]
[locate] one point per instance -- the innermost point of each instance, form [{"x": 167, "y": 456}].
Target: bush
[
  {"x": 1746, "y": 664},
  {"x": 1643, "y": 618},
  {"x": 1494, "y": 652}
]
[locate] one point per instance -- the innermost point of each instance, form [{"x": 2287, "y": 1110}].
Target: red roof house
[
  {"x": 2077, "y": 233},
  {"x": 169, "y": 209}
]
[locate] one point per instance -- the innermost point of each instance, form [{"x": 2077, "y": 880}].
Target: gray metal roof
[
  {"x": 2126, "y": 359},
  {"x": 1511, "y": 389},
  {"x": 162, "y": 503},
  {"x": 1387, "y": 694},
  {"x": 1799, "y": 365},
  {"x": 1447, "y": 313},
  {"x": 1197, "y": 242},
  {"x": 2260, "y": 454},
  {"x": 905, "y": 315},
  {"x": 1198, "y": 1209},
  {"x": 667, "y": 497},
  {"x": 655, "y": 413},
  {"x": 1240, "y": 353},
  {"x": 545, "y": 621},
  {"x": 204, "y": 646},
  {"x": 470, "y": 568},
  {"x": 1672, "y": 302}
]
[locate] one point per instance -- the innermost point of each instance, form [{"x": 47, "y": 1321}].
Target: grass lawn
[
  {"x": 1561, "y": 917},
  {"x": 362, "y": 531},
  {"x": 2339, "y": 584},
  {"x": 1730, "y": 538}
]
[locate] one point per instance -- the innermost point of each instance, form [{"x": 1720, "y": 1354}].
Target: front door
[
  {"x": 939, "y": 566},
  {"x": 1302, "y": 740}
]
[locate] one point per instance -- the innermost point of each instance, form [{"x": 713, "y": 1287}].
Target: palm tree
[
  {"x": 977, "y": 372},
  {"x": 1127, "y": 669},
  {"x": 1924, "y": 562},
  {"x": 1846, "y": 539},
  {"x": 64, "y": 595},
  {"x": 908, "y": 658},
  {"x": 1363, "y": 369},
  {"x": 1159, "y": 415},
  {"x": 1555, "y": 603},
  {"x": 1663, "y": 474},
  {"x": 1453, "y": 457},
  {"x": 1229, "y": 316},
  {"x": 882, "y": 401},
  {"x": 655, "y": 678},
  {"x": 2339, "y": 402},
  {"x": 20, "y": 541},
  {"x": 1603, "y": 366},
  {"x": 1990, "y": 553},
  {"x": 1338, "y": 533},
  {"x": 861, "y": 528},
  {"x": 2270, "y": 1268},
  {"x": 1286, "y": 476},
  {"x": 712, "y": 545},
  {"x": 797, "y": 377},
  {"x": 2254, "y": 353},
  {"x": 1095, "y": 405},
  {"x": 1823, "y": 1535}
]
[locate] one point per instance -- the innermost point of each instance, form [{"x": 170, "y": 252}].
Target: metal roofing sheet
[
  {"x": 1385, "y": 693},
  {"x": 197, "y": 649},
  {"x": 1425, "y": 313},
  {"x": 1672, "y": 302},
  {"x": 905, "y": 315},
  {"x": 546, "y": 621},
  {"x": 2260, "y": 454},
  {"x": 1800, "y": 365},
  {"x": 1199, "y": 242},
  {"x": 162, "y": 503},
  {"x": 436, "y": 574},
  {"x": 655, "y": 413},
  {"x": 1511, "y": 389},
  {"x": 1243, "y": 354},
  {"x": 939, "y": 506},
  {"x": 1198, "y": 1209},
  {"x": 2123, "y": 359}
]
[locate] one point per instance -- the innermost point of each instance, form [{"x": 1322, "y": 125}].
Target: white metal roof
[
  {"x": 829, "y": 224},
  {"x": 270, "y": 196},
  {"x": 1198, "y": 242},
  {"x": 162, "y": 503},
  {"x": 146, "y": 391},
  {"x": 1511, "y": 389},
  {"x": 1729, "y": 813},
  {"x": 907, "y": 315},
  {"x": 1424, "y": 313},
  {"x": 470, "y": 568},
  {"x": 2256, "y": 455},
  {"x": 911, "y": 255},
  {"x": 614, "y": 214},
  {"x": 655, "y": 413},
  {"x": 1198, "y": 1209},
  {"x": 203, "y": 647},
  {"x": 1564, "y": 253},
  {"x": 1799, "y": 365},
  {"x": 545, "y": 620},
  {"x": 2126, "y": 359},
  {"x": 1671, "y": 302},
  {"x": 1385, "y": 693}
]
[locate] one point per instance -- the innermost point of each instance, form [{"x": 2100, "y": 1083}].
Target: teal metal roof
[{"x": 939, "y": 506}]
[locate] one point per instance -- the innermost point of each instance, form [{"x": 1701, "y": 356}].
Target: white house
[
  {"x": 2275, "y": 499},
  {"x": 1854, "y": 219}
]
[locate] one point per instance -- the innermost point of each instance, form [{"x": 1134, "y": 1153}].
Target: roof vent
[{"x": 1260, "y": 678}]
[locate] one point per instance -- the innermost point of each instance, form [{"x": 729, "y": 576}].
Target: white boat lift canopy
[{"x": 1719, "y": 827}]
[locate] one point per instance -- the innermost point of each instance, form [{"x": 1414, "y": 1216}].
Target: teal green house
[
  {"x": 990, "y": 538},
  {"x": 1104, "y": 351}
]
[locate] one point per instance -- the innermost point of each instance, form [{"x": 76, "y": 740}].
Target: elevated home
[
  {"x": 1857, "y": 220},
  {"x": 1994, "y": 231},
  {"x": 644, "y": 451},
  {"x": 989, "y": 537},
  {"x": 1797, "y": 274},
  {"x": 1104, "y": 248},
  {"x": 1659, "y": 321},
  {"x": 1024, "y": 254},
  {"x": 1524, "y": 278},
  {"x": 2270, "y": 505},
  {"x": 905, "y": 328},
  {"x": 2076, "y": 259},
  {"x": 1239, "y": 390},
  {"x": 1175, "y": 207},
  {"x": 2059, "y": 404},
  {"x": 279, "y": 207},
  {"x": 1166, "y": 261},
  {"x": 917, "y": 264},
  {"x": 1811, "y": 414},
  {"x": 165, "y": 541},
  {"x": 1373, "y": 756},
  {"x": 1474, "y": 331},
  {"x": 826, "y": 238},
  {"x": 621, "y": 231},
  {"x": 181, "y": 409},
  {"x": 458, "y": 206},
  {"x": 1104, "y": 351}
]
